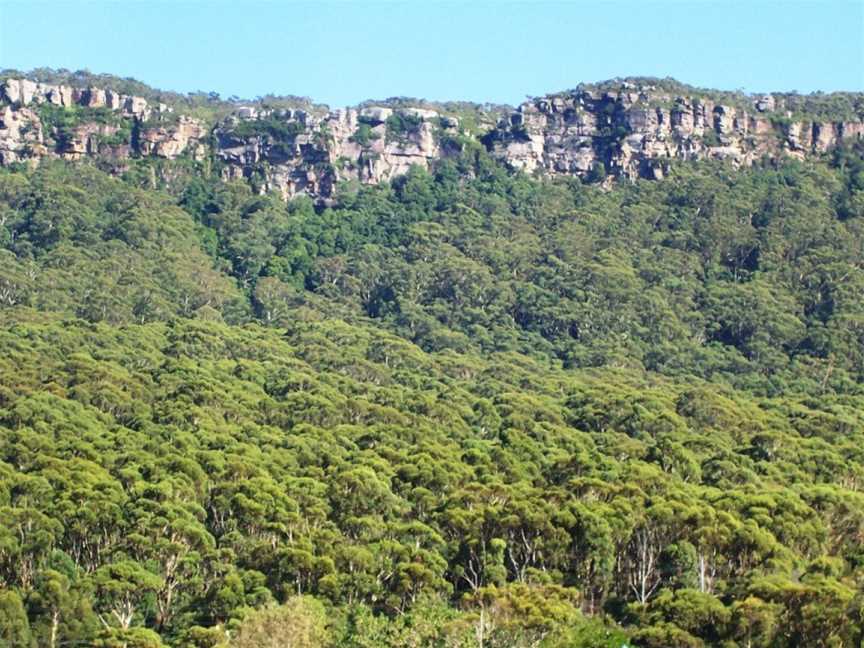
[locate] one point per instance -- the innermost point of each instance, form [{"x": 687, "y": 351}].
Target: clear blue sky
[{"x": 343, "y": 52}]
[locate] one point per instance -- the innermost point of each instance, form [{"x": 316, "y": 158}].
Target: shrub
[
  {"x": 364, "y": 135},
  {"x": 299, "y": 623},
  {"x": 400, "y": 125}
]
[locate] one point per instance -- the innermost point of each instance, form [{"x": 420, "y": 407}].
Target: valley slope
[{"x": 490, "y": 398}]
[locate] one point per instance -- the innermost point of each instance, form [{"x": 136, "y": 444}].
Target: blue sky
[{"x": 343, "y": 52}]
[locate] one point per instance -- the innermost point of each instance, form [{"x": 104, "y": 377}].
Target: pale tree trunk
[
  {"x": 55, "y": 626},
  {"x": 124, "y": 612},
  {"x": 707, "y": 572},
  {"x": 483, "y": 628},
  {"x": 644, "y": 579}
]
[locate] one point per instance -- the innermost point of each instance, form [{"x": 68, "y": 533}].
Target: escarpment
[
  {"x": 293, "y": 152},
  {"x": 635, "y": 132},
  {"x": 612, "y": 130},
  {"x": 40, "y": 120},
  {"x": 289, "y": 151}
]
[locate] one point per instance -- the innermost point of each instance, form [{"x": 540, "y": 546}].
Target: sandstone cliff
[
  {"x": 42, "y": 120},
  {"x": 637, "y": 131},
  {"x": 294, "y": 152},
  {"x": 618, "y": 129}
]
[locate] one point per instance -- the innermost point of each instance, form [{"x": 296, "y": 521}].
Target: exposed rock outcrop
[
  {"x": 23, "y": 92},
  {"x": 626, "y": 130},
  {"x": 106, "y": 123},
  {"x": 290, "y": 151},
  {"x": 185, "y": 136},
  {"x": 21, "y": 136},
  {"x": 294, "y": 152},
  {"x": 636, "y": 132}
]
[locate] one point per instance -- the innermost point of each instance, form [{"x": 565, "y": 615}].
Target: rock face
[
  {"x": 21, "y": 135},
  {"x": 625, "y": 130},
  {"x": 186, "y": 135},
  {"x": 294, "y": 152},
  {"x": 290, "y": 151},
  {"x": 23, "y": 92},
  {"x": 635, "y": 132},
  {"x": 104, "y": 123}
]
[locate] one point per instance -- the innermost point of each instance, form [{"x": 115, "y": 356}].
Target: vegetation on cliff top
[{"x": 476, "y": 118}]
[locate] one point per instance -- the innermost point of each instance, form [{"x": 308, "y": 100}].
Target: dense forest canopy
[{"x": 466, "y": 408}]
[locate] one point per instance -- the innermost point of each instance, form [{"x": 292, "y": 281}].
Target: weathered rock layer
[
  {"x": 294, "y": 152},
  {"x": 629, "y": 132},
  {"x": 636, "y": 133}
]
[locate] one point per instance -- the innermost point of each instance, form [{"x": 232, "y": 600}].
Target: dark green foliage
[
  {"x": 279, "y": 129},
  {"x": 81, "y": 242},
  {"x": 747, "y": 278},
  {"x": 467, "y": 408},
  {"x": 401, "y": 125},
  {"x": 60, "y": 123},
  {"x": 363, "y": 135},
  {"x": 710, "y": 138}
]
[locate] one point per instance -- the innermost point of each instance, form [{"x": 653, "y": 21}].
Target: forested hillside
[{"x": 464, "y": 408}]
